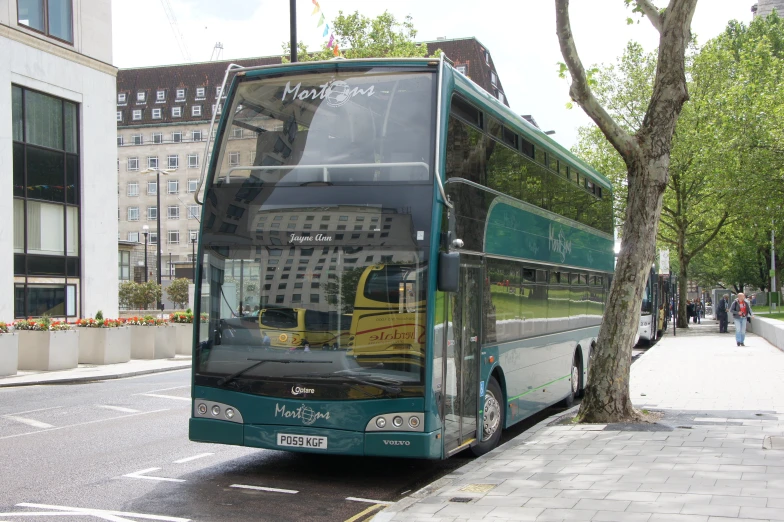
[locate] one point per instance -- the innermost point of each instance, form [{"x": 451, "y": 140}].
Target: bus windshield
[{"x": 330, "y": 128}]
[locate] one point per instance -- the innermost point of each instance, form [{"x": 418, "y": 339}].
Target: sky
[{"x": 520, "y": 35}]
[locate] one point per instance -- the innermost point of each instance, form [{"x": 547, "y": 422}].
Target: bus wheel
[
  {"x": 574, "y": 381},
  {"x": 492, "y": 420}
]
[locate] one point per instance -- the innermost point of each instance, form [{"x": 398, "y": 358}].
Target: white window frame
[
  {"x": 196, "y": 110},
  {"x": 152, "y": 162},
  {"x": 234, "y": 159},
  {"x": 172, "y": 161},
  {"x": 136, "y": 115},
  {"x": 198, "y": 133},
  {"x": 176, "y": 185},
  {"x": 180, "y": 95},
  {"x": 461, "y": 69},
  {"x": 137, "y": 139},
  {"x": 176, "y": 112},
  {"x": 193, "y": 211},
  {"x": 192, "y": 185},
  {"x": 150, "y": 212},
  {"x": 236, "y": 132},
  {"x": 121, "y": 97},
  {"x": 151, "y": 184},
  {"x": 216, "y": 108},
  {"x": 217, "y": 91},
  {"x": 193, "y": 161},
  {"x": 493, "y": 79},
  {"x": 119, "y": 115},
  {"x": 176, "y": 137},
  {"x": 133, "y": 237},
  {"x": 160, "y": 95},
  {"x": 173, "y": 212},
  {"x": 173, "y": 237},
  {"x": 200, "y": 92},
  {"x": 153, "y": 238},
  {"x": 119, "y": 141},
  {"x": 132, "y": 189},
  {"x": 157, "y": 137},
  {"x": 141, "y": 96},
  {"x": 133, "y": 214},
  {"x": 157, "y": 114},
  {"x": 133, "y": 164},
  {"x": 252, "y": 157}
]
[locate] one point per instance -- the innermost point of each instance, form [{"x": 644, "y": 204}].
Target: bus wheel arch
[{"x": 494, "y": 418}]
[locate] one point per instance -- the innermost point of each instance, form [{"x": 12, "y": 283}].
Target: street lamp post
[
  {"x": 158, "y": 173},
  {"x": 193, "y": 257},
  {"x": 146, "y": 231}
]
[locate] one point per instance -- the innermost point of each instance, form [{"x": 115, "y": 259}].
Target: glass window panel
[
  {"x": 71, "y": 130},
  {"x": 19, "y": 264},
  {"x": 72, "y": 179},
  {"x": 45, "y": 228},
  {"x": 46, "y": 265},
  {"x": 18, "y": 225},
  {"x": 43, "y": 120},
  {"x": 17, "y": 113},
  {"x": 19, "y": 189},
  {"x": 31, "y": 13},
  {"x": 70, "y": 303},
  {"x": 45, "y": 174},
  {"x": 60, "y": 19},
  {"x": 49, "y": 300},
  {"x": 72, "y": 239},
  {"x": 19, "y": 301},
  {"x": 72, "y": 266}
]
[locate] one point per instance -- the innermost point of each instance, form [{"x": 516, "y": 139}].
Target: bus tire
[
  {"x": 574, "y": 382},
  {"x": 493, "y": 421}
]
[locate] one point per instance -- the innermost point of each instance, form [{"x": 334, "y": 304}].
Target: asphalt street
[{"x": 119, "y": 450}]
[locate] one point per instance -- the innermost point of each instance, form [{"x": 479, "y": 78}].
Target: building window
[
  {"x": 217, "y": 91},
  {"x": 193, "y": 161},
  {"x": 133, "y": 189},
  {"x": 152, "y": 162},
  {"x": 216, "y": 108},
  {"x": 51, "y": 17},
  {"x": 133, "y": 213},
  {"x": 234, "y": 159},
  {"x": 174, "y": 186},
  {"x": 197, "y": 135},
  {"x": 501, "y": 97},
  {"x": 487, "y": 58},
  {"x": 173, "y": 212},
  {"x": 180, "y": 94},
  {"x": 174, "y": 237},
  {"x": 133, "y": 237},
  {"x": 160, "y": 95},
  {"x": 200, "y": 92},
  {"x": 253, "y": 157},
  {"x": 193, "y": 211},
  {"x": 176, "y": 137},
  {"x": 125, "y": 264},
  {"x": 46, "y": 187},
  {"x": 192, "y": 184},
  {"x": 152, "y": 188},
  {"x": 176, "y": 112},
  {"x": 153, "y": 238},
  {"x": 133, "y": 164},
  {"x": 137, "y": 114},
  {"x": 119, "y": 115},
  {"x": 236, "y": 132},
  {"x": 121, "y": 97},
  {"x": 137, "y": 139},
  {"x": 173, "y": 161},
  {"x": 196, "y": 110},
  {"x": 119, "y": 141},
  {"x": 152, "y": 213},
  {"x": 156, "y": 114},
  {"x": 493, "y": 78},
  {"x": 461, "y": 69},
  {"x": 141, "y": 97}
]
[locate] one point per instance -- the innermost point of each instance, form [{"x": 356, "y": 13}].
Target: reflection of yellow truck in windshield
[
  {"x": 289, "y": 328},
  {"x": 388, "y": 324}
]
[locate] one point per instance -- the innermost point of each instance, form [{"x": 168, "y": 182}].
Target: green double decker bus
[{"x": 455, "y": 259}]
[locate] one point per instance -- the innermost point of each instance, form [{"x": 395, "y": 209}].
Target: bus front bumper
[{"x": 318, "y": 440}]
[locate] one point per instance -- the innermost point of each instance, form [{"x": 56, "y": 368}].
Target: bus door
[{"x": 461, "y": 364}]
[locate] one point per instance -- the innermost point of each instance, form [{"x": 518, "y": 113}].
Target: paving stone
[
  {"x": 620, "y": 516},
  {"x": 735, "y": 500},
  {"x": 639, "y": 496},
  {"x": 711, "y": 510},
  {"x": 763, "y": 513},
  {"x": 655, "y": 507},
  {"x": 516, "y": 513},
  {"x": 669, "y": 517},
  {"x": 555, "y": 515}
]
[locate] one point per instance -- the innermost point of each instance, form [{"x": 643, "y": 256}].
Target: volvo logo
[
  {"x": 299, "y": 390},
  {"x": 397, "y": 443}
]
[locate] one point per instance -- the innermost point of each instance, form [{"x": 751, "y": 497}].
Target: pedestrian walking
[
  {"x": 741, "y": 313},
  {"x": 689, "y": 311},
  {"x": 697, "y": 310},
  {"x": 722, "y": 313}
]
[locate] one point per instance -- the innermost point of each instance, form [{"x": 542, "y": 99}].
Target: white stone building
[{"x": 58, "y": 249}]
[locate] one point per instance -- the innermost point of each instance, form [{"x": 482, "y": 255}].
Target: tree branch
[
  {"x": 581, "y": 92},
  {"x": 651, "y": 12}
]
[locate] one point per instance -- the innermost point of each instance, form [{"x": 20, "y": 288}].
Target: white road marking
[
  {"x": 82, "y": 424},
  {"x": 188, "y": 459},
  {"x": 30, "y": 422},
  {"x": 33, "y": 411},
  {"x": 369, "y": 501},
  {"x": 261, "y": 488},
  {"x": 165, "y": 389},
  {"x": 141, "y": 475},
  {"x": 165, "y": 396},
  {"x": 117, "y": 408},
  {"x": 88, "y": 511}
]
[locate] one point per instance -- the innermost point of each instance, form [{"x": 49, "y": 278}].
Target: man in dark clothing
[{"x": 721, "y": 313}]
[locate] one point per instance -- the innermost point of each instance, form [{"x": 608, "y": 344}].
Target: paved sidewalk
[
  {"x": 703, "y": 461},
  {"x": 90, "y": 372}
]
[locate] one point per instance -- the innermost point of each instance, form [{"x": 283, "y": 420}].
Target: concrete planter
[
  {"x": 184, "y": 338},
  {"x": 104, "y": 345},
  {"x": 9, "y": 354},
  {"x": 47, "y": 351},
  {"x": 153, "y": 342}
]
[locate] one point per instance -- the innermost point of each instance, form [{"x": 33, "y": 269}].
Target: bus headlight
[
  {"x": 381, "y": 422},
  {"x": 230, "y": 414},
  {"x": 216, "y": 410},
  {"x": 203, "y": 408},
  {"x": 397, "y": 421},
  {"x": 413, "y": 422}
]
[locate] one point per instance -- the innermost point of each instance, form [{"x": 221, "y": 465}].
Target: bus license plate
[{"x": 302, "y": 441}]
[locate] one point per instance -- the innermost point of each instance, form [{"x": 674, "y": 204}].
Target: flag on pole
[
  {"x": 321, "y": 20},
  {"x": 326, "y": 31},
  {"x": 331, "y": 40}
]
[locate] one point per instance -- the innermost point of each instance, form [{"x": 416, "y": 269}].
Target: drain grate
[{"x": 461, "y": 499}]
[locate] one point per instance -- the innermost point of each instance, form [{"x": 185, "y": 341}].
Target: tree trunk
[
  {"x": 607, "y": 395},
  {"x": 683, "y": 288}
]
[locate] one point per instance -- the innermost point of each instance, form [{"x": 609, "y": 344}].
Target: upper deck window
[
  {"x": 51, "y": 17},
  {"x": 374, "y": 127}
]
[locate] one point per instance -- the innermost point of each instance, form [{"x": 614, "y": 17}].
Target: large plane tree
[{"x": 646, "y": 153}]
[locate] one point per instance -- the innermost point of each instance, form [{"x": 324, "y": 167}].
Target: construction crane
[{"x": 176, "y": 30}]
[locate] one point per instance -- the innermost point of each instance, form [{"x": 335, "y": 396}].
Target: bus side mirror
[{"x": 448, "y": 271}]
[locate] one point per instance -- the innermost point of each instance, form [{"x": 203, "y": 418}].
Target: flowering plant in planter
[
  {"x": 32, "y": 325},
  {"x": 4, "y": 327},
  {"x": 59, "y": 325},
  {"x": 141, "y": 321},
  {"x": 205, "y": 317},
  {"x": 181, "y": 317},
  {"x": 98, "y": 323}
]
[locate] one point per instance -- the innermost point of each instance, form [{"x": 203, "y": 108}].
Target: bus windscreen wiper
[{"x": 259, "y": 362}]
